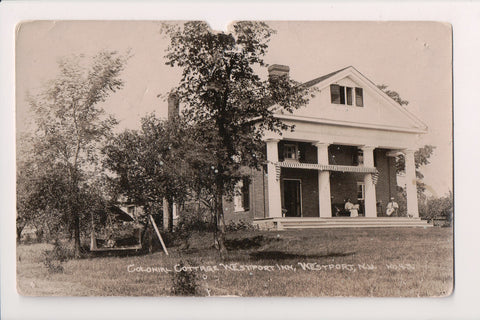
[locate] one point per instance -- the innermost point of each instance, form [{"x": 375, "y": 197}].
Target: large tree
[
  {"x": 71, "y": 126},
  {"x": 227, "y": 100},
  {"x": 39, "y": 192},
  {"x": 153, "y": 163}
]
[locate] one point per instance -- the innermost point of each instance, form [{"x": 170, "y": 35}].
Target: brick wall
[
  {"x": 341, "y": 155},
  {"x": 344, "y": 185},
  {"x": 258, "y": 203}
]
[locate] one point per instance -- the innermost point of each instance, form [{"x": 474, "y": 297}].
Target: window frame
[
  {"x": 347, "y": 96},
  {"x": 241, "y": 197},
  {"x": 295, "y": 152},
  {"x": 361, "y": 184},
  {"x": 337, "y": 89}
]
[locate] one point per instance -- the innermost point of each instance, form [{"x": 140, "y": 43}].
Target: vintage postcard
[{"x": 297, "y": 159}]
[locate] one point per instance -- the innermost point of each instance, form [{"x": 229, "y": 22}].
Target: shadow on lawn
[
  {"x": 246, "y": 243},
  {"x": 279, "y": 255}
]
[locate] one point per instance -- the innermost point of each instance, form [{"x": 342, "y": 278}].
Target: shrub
[
  {"x": 240, "y": 225},
  {"x": 53, "y": 259},
  {"x": 190, "y": 220},
  {"x": 401, "y": 199},
  {"x": 438, "y": 208},
  {"x": 184, "y": 283}
]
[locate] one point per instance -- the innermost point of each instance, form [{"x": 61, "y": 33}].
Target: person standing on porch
[{"x": 392, "y": 207}]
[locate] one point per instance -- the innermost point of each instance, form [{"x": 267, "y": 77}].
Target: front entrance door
[{"x": 292, "y": 198}]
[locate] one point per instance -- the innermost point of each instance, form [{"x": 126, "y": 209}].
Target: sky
[{"x": 413, "y": 58}]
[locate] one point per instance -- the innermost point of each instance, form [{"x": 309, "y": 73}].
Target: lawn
[{"x": 376, "y": 262}]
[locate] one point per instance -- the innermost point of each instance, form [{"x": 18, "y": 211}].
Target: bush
[
  {"x": 190, "y": 220},
  {"x": 53, "y": 259},
  {"x": 438, "y": 208},
  {"x": 240, "y": 225},
  {"x": 184, "y": 283}
]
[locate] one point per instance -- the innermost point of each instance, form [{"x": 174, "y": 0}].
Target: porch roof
[{"x": 325, "y": 167}]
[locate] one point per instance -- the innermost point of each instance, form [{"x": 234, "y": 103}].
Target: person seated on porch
[
  {"x": 352, "y": 208},
  {"x": 392, "y": 207}
]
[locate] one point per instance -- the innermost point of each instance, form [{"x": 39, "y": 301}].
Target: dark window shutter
[
  {"x": 359, "y": 97},
  {"x": 246, "y": 194}
]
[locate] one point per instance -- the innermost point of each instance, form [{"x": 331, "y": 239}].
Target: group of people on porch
[{"x": 391, "y": 210}]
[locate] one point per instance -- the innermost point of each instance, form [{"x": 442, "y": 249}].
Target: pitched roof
[
  {"x": 320, "y": 79},
  {"x": 350, "y": 70}
]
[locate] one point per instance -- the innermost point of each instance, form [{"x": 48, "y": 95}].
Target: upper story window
[
  {"x": 359, "y": 97},
  {"x": 290, "y": 152},
  {"x": 346, "y": 95}
]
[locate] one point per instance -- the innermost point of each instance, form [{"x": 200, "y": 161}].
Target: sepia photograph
[{"x": 270, "y": 159}]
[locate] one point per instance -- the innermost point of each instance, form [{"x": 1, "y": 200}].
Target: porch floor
[{"x": 338, "y": 222}]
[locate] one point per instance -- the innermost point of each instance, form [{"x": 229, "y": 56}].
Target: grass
[{"x": 377, "y": 262}]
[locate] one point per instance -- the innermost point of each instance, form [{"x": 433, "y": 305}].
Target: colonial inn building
[{"x": 343, "y": 147}]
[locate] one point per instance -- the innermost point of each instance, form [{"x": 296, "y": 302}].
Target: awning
[{"x": 325, "y": 167}]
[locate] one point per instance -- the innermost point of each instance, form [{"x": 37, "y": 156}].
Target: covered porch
[{"x": 308, "y": 192}]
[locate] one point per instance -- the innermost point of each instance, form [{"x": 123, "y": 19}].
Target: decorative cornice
[{"x": 349, "y": 124}]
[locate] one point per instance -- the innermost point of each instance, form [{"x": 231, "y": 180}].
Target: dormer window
[
  {"x": 346, "y": 95},
  {"x": 290, "y": 152}
]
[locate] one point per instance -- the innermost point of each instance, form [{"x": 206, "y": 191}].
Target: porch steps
[{"x": 338, "y": 222}]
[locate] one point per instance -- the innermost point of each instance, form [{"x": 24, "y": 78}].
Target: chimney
[
  {"x": 173, "y": 105},
  {"x": 276, "y": 71}
]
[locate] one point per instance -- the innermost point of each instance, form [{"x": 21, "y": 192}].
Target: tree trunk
[
  {"x": 215, "y": 224},
  {"x": 198, "y": 206},
  {"x": 77, "y": 235},
  {"x": 220, "y": 225}
]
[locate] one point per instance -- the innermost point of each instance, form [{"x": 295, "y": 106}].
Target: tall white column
[
  {"x": 274, "y": 196},
  {"x": 411, "y": 183},
  {"x": 324, "y": 200},
  {"x": 370, "y": 194}
]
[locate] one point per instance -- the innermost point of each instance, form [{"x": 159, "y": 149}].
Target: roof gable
[{"x": 379, "y": 110}]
